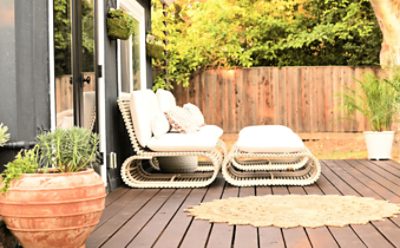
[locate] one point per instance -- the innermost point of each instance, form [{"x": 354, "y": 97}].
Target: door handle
[{"x": 86, "y": 80}]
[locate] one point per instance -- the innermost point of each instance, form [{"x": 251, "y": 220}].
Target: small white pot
[
  {"x": 178, "y": 164},
  {"x": 379, "y": 144}
]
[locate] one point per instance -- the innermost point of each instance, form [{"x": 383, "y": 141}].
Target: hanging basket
[
  {"x": 154, "y": 50},
  {"x": 120, "y": 25},
  {"x": 154, "y": 47}
]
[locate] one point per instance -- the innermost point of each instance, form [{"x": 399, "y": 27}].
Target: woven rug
[{"x": 288, "y": 211}]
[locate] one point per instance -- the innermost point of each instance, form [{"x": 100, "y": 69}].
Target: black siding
[{"x": 24, "y": 79}]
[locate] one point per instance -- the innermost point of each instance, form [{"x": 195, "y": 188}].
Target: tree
[
  {"x": 229, "y": 33},
  {"x": 62, "y": 36},
  {"x": 388, "y": 14}
]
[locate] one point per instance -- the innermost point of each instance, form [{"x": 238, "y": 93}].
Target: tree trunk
[{"x": 387, "y": 13}]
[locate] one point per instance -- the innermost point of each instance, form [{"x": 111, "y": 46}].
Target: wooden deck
[{"x": 155, "y": 218}]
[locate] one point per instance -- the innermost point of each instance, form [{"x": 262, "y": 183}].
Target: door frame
[
  {"x": 138, "y": 12},
  {"x": 99, "y": 19}
]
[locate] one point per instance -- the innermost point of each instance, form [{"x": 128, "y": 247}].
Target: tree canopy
[{"x": 230, "y": 33}]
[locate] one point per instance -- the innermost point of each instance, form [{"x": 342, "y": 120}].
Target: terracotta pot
[{"x": 53, "y": 209}]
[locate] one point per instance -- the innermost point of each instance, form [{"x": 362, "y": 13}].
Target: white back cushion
[
  {"x": 160, "y": 125},
  {"x": 144, "y": 108},
  {"x": 166, "y": 100}
]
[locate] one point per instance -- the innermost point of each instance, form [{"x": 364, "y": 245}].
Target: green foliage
[
  {"x": 4, "y": 135},
  {"x": 62, "y": 36},
  {"x": 120, "y": 25},
  {"x": 229, "y": 33},
  {"x": 26, "y": 161},
  {"x": 378, "y": 100},
  {"x": 68, "y": 150},
  {"x": 63, "y": 150},
  {"x": 394, "y": 79}
]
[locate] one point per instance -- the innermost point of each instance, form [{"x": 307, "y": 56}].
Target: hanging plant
[
  {"x": 120, "y": 25},
  {"x": 154, "y": 48}
]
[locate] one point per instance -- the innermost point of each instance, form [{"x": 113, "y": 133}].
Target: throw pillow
[
  {"x": 197, "y": 116},
  {"x": 181, "y": 120}
]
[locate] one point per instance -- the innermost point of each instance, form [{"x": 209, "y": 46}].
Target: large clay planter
[{"x": 53, "y": 209}]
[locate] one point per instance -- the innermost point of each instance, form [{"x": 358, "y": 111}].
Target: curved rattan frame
[
  {"x": 135, "y": 175},
  {"x": 270, "y": 168}
]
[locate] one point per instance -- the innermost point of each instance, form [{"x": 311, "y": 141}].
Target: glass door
[{"x": 75, "y": 63}]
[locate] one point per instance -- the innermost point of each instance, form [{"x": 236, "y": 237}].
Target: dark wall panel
[
  {"x": 24, "y": 94},
  {"x": 7, "y": 65}
]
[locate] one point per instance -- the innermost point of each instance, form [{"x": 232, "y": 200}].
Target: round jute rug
[{"x": 288, "y": 211}]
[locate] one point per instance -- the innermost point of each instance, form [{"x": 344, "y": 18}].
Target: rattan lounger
[
  {"x": 270, "y": 155},
  {"x": 141, "y": 170}
]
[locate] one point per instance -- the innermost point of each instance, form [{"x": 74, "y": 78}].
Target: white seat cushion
[
  {"x": 144, "y": 108},
  {"x": 269, "y": 138},
  {"x": 254, "y": 130},
  {"x": 166, "y": 100},
  {"x": 203, "y": 140}
]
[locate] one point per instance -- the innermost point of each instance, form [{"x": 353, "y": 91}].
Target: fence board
[
  {"x": 64, "y": 93},
  {"x": 305, "y": 98}
]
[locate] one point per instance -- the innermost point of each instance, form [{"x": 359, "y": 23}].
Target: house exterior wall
[
  {"x": 118, "y": 140},
  {"x": 24, "y": 78},
  {"x": 24, "y": 81}
]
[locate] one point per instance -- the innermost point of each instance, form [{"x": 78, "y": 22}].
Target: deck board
[
  {"x": 156, "y": 218},
  {"x": 269, "y": 236},
  {"x": 145, "y": 237},
  {"x": 222, "y": 234},
  {"x": 246, "y": 236},
  {"x": 199, "y": 230},
  {"x": 176, "y": 229},
  {"x": 293, "y": 237}
]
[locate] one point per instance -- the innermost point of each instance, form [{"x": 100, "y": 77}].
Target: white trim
[
  {"x": 130, "y": 77},
  {"x": 101, "y": 94},
  {"x": 52, "y": 88},
  {"x": 137, "y": 12},
  {"x": 119, "y": 69}
]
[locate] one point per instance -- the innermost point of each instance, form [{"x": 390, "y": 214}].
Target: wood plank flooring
[{"x": 156, "y": 218}]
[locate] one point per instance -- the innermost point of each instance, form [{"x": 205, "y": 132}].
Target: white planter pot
[
  {"x": 178, "y": 164},
  {"x": 379, "y": 144}
]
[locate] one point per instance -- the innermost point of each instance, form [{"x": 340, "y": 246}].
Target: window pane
[
  {"x": 136, "y": 57},
  {"x": 130, "y": 61},
  {"x": 124, "y": 63},
  {"x": 62, "y": 63},
  {"x": 88, "y": 64}
]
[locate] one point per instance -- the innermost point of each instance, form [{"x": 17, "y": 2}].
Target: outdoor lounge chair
[
  {"x": 270, "y": 155},
  {"x": 141, "y": 170}
]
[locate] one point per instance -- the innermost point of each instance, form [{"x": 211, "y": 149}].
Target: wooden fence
[
  {"x": 63, "y": 86},
  {"x": 307, "y": 99}
]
